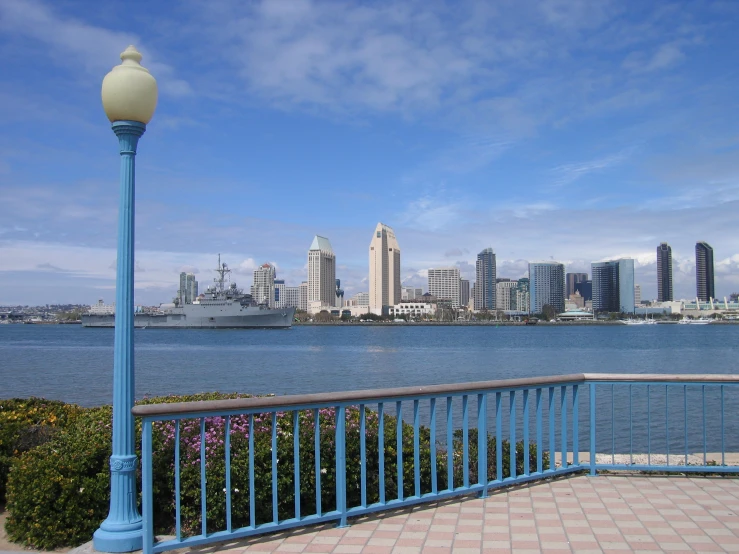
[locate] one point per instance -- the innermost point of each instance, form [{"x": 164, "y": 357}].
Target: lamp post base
[{"x": 119, "y": 540}]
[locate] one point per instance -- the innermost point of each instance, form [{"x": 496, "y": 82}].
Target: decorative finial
[
  {"x": 129, "y": 91},
  {"x": 131, "y": 56}
]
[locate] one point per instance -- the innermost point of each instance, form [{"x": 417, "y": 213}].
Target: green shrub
[
  {"x": 58, "y": 492},
  {"x": 26, "y": 423}
]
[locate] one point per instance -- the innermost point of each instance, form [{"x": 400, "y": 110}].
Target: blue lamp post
[{"x": 129, "y": 96}]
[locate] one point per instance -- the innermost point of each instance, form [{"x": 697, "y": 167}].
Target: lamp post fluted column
[{"x": 129, "y": 98}]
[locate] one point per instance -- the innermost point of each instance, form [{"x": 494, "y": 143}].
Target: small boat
[{"x": 701, "y": 321}]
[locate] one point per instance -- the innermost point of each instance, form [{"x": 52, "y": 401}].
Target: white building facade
[
  {"x": 263, "y": 289},
  {"x": 503, "y": 295},
  {"x": 444, "y": 284},
  {"x": 412, "y": 310},
  {"x": 384, "y": 269},
  {"x": 321, "y": 275}
]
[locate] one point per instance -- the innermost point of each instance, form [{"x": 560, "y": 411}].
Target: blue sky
[{"x": 565, "y": 129}]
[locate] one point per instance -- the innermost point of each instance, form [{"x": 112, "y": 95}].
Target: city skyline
[{"x": 549, "y": 119}]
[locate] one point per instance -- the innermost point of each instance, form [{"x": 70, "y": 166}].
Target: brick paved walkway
[{"x": 578, "y": 514}]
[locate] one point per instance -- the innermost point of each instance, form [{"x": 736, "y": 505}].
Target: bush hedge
[{"x": 58, "y": 492}]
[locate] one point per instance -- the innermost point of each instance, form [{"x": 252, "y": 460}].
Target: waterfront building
[
  {"x": 263, "y": 289},
  {"x": 704, "y": 271},
  {"x": 520, "y": 296},
  {"x": 664, "y": 273},
  {"x": 503, "y": 290},
  {"x": 585, "y": 289},
  {"x": 444, "y": 284},
  {"x": 412, "y": 310},
  {"x": 303, "y": 294},
  {"x": 279, "y": 299},
  {"x": 101, "y": 308},
  {"x": 188, "y": 291},
  {"x": 613, "y": 286},
  {"x": 410, "y": 293},
  {"x": 339, "y": 294},
  {"x": 572, "y": 279},
  {"x": 637, "y": 295},
  {"x": 291, "y": 297},
  {"x": 485, "y": 280},
  {"x": 384, "y": 269},
  {"x": 464, "y": 292},
  {"x": 321, "y": 275},
  {"x": 547, "y": 286},
  {"x": 359, "y": 299}
]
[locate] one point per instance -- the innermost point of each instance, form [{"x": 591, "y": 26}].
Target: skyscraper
[
  {"x": 546, "y": 286},
  {"x": 384, "y": 269},
  {"x": 263, "y": 289},
  {"x": 464, "y": 292},
  {"x": 321, "y": 275},
  {"x": 572, "y": 279},
  {"x": 704, "y": 271},
  {"x": 613, "y": 286},
  {"x": 485, "y": 280},
  {"x": 664, "y": 273},
  {"x": 444, "y": 284},
  {"x": 503, "y": 295},
  {"x": 188, "y": 288}
]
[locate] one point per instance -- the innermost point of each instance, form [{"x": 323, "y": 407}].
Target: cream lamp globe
[{"x": 129, "y": 91}]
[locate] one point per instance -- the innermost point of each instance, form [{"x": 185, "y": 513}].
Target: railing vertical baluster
[
  {"x": 539, "y": 453},
  {"x": 252, "y": 503},
  {"x": 703, "y": 393},
  {"x": 227, "y": 449},
  {"x": 341, "y": 463},
  {"x": 552, "y": 443},
  {"x": 381, "y": 449},
  {"x": 631, "y": 428},
  {"x": 317, "y": 456},
  {"x": 147, "y": 493},
  {"x": 449, "y": 444},
  {"x": 667, "y": 423},
  {"x": 512, "y": 417},
  {"x": 399, "y": 447},
  {"x": 275, "y": 515},
  {"x": 593, "y": 465},
  {"x": 526, "y": 470},
  {"x": 296, "y": 461},
  {"x": 363, "y": 454},
  {"x": 723, "y": 444},
  {"x": 685, "y": 423},
  {"x": 432, "y": 445},
  {"x": 575, "y": 425},
  {"x": 465, "y": 442},
  {"x": 563, "y": 417},
  {"x": 178, "y": 514},
  {"x": 649, "y": 428},
  {"x": 482, "y": 443},
  {"x": 613, "y": 427},
  {"x": 416, "y": 450},
  {"x": 499, "y": 436},
  {"x": 203, "y": 482}
]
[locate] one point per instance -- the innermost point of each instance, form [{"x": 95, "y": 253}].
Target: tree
[{"x": 548, "y": 311}]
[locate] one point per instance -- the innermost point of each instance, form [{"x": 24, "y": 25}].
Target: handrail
[{"x": 266, "y": 402}]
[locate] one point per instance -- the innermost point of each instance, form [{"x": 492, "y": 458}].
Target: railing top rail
[{"x": 375, "y": 395}]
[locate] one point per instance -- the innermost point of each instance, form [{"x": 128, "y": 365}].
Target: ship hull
[{"x": 261, "y": 319}]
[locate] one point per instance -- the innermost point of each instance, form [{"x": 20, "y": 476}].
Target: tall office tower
[
  {"x": 546, "y": 286},
  {"x": 503, "y": 294},
  {"x": 485, "y": 283},
  {"x": 572, "y": 279},
  {"x": 520, "y": 296},
  {"x": 279, "y": 296},
  {"x": 192, "y": 286},
  {"x": 321, "y": 274},
  {"x": 704, "y": 271},
  {"x": 263, "y": 289},
  {"x": 444, "y": 284},
  {"x": 303, "y": 296},
  {"x": 464, "y": 292},
  {"x": 664, "y": 273},
  {"x": 292, "y": 297},
  {"x": 410, "y": 293},
  {"x": 339, "y": 294},
  {"x": 384, "y": 268},
  {"x": 585, "y": 288},
  {"x": 188, "y": 288},
  {"x": 613, "y": 286},
  {"x": 637, "y": 295}
]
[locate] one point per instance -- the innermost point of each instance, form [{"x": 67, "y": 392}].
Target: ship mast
[{"x": 222, "y": 272}]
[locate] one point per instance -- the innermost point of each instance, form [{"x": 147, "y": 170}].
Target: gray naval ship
[{"x": 220, "y": 307}]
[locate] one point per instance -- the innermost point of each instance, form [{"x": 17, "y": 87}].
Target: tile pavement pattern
[{"x": 576, "y": 514}]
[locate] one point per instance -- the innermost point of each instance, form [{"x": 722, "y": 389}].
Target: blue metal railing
[{"x": 340, "y": 458}]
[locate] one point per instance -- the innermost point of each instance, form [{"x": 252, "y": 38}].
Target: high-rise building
[
  {"x": 339, "y": 302},
  {"x": 503, "y": 294},
  {"x": 444, "y": 284},
  {"x": 704, "y": 271},
  {"x": 384, "y": 269},
  {"x": 188, "y": 288},
  {"x": 280, "y": 297},
  {"x": 637, "y": 295},
  {"x": 546, "y": 286},
  {"x": 585, "y": 288},
  {"x": 485, "y": 280},
  {"x": 520, "y": 296},
  {"x": 292, "y": 297},
  {"x": 664, "y": 273},
  {"x": 321, "y": 275},
  {"x": 263, "y": 289},
  {"x": 303, "y": 296},
  {"x": 464, "y": 292},
  {"x": 613, "y": 286},
  {"x": 410, "y": 293},
  {"x": 359, "y": 299},
  {"x": 572, "y": 279}
]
